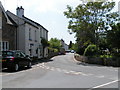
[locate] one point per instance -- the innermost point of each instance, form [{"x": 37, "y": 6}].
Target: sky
[{"x": 48, "y": 13}]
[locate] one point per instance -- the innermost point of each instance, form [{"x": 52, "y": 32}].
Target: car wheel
[
  {"x": 16, "y": 67},
  {"x": 29, "y": 65}
]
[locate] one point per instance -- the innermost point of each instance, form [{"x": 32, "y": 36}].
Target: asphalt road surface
[{"x": 62, "y": 72}]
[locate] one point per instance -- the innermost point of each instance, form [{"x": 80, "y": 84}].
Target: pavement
[{"x": 62, "y": 71}]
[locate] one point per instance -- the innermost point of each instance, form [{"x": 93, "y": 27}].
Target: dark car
[{"x": 13, "y": 60}]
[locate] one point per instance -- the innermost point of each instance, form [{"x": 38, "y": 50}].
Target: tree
[
  {"x": 87, "y": 20},
  {"x": 55, "y": 43},
  {"x": 113, "y": 37},
  {"x": 70, "y": 45},
  {"x": 44, "y": 44}
]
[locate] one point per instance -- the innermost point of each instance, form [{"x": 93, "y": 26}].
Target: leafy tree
[
  {"x": 88, "y": 19},
  {"x": 55, "y": 43},
  {"x": 91, "y": 50},
  {"x": 44, "y": 44},
  {"x": 113, "y": 37},
  {"x": 74, "y": 47}
]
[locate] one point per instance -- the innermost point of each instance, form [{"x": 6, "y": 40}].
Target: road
[{"x": 62, "y": 72}]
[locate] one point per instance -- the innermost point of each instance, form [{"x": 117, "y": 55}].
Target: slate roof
[{"x": 33, "y": 22}]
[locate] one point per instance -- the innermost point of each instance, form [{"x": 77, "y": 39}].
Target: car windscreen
[{"x": 7, "y": 53}]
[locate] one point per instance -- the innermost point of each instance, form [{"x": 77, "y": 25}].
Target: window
[
  {"x": 0, "y": 46},
  {"x": 35, "y": 36},
  {"x": 40, "y": 32},
  {"x": 30, "y": 34},
  {"x": 5, "y": 45}
]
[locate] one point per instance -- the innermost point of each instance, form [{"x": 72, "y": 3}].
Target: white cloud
[
  {"x": 41, "y": 6},
  {"x": 49, "y": 5}
]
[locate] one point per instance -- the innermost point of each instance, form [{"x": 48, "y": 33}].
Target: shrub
[
  {"x": 55, "y": 50},
  {"x": 91, "y": 50}
]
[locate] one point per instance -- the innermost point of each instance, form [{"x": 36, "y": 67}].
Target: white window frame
[{"x": 5, "y": 45}]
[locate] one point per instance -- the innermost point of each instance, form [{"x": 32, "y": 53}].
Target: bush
[{"x": 91, "y": 50}]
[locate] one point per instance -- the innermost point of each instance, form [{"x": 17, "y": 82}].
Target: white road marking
[
  {"x": 103, "y": 84},
  {"x": 67, "y": 72},
  {"x": 33, "y": 67},
  {"x": 51, "y": 69},
  {"x": 101, "y": 76},
  {"x": 64, "y": 70},
  {"x": 58, "y": 69},
  {"x": 47, "y": 67}
]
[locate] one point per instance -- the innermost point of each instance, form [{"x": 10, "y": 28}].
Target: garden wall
[{"x": 100, "y": 61}]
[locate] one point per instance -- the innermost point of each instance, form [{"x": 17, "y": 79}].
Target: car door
[
  {"x": 20, "y": 58},
  {"x": 24, "y": 58}
]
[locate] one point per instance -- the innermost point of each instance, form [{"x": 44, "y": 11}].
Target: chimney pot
[{"x": 20, "y": 11}]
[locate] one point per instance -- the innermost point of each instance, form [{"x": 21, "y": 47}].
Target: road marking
[
  {"x": 51, "y": 69},
  {"x": 47, "y": 67},
  {"x": 103, "y": 85},
  {"x": 67, "y": 72},
  {"x": 33, "y": 68},
  {"x": 58, "y": 69},
  {"x": 101, "y": 76},
  {"x": 64, "y": 70}
]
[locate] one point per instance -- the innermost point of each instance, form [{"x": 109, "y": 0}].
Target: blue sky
[{"x": 48, "y": 13}]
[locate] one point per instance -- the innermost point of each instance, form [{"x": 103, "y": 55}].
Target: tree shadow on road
[{"x": 87, "y": 64}]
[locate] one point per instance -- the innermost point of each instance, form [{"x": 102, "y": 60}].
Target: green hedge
[{"x": 91, "y": 50}]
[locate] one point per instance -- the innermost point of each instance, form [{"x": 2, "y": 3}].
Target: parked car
[
  {"x": 68, "y": 51},
  {"x": 72, "y": 51},
  {"x": 13, "y": 60}
]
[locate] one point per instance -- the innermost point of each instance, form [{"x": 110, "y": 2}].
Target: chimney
[{"x": 20, "y": 11}]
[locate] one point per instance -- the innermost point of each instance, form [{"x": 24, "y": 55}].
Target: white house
[
  {"x": 29, "y": 34},
  {"x": 64, "y": 45}
]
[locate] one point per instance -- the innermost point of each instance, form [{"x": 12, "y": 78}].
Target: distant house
[
  {"x": 8, "y": 31},
  {"x": 64, "y": 45},
  {"x": 29, "y": 34}
]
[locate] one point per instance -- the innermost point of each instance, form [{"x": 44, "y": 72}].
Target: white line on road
[
  {"x": 103, "y": 85},
  {"x": 101, "y": 76},
  {"x": 33, "y": 68},
  {"x": 58, "y": 69}
]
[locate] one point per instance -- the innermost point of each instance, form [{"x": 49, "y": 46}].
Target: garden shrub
[{"x": 91, "y": 50}]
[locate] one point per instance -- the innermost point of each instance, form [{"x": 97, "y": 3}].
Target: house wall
[
  {"x": 43, "y": 34},
  {"x": 24, "y": 43},
  {"x": 32, "y": 41},
  {"x": 20, "y": 31},
  {"x": 66, "y": 47},
  {"x": 9, "y": 33},
  {"x": 0, "y": 30}
]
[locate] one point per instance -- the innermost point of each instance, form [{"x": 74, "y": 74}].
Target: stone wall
[
  {"x": 9, "y": 33},
  {"x": 100, "y": 61}
]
